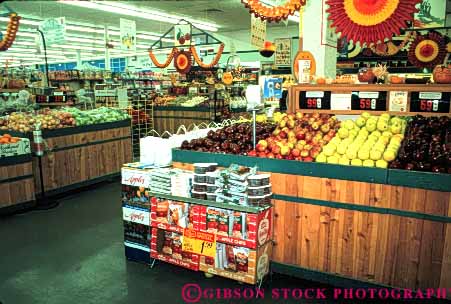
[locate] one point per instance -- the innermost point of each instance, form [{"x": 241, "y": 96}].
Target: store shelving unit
[
  {"x": 257, "y": 244},
  {"x": 141, "y": 110}
]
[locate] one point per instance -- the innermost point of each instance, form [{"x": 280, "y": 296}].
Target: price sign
[
  {"x": 197, "y": 242},
  {"x": 340, "y": 101},
  {"x": 369, "y": 101},
  {"x": 313, "y": 100},
  {"x": 42, "y": 98},
  {"x": 434, "y": 102}
]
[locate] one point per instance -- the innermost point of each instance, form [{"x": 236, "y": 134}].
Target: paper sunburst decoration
[
  {"x": 426, "y": 51},
  {"x": 370, "y": 21},
  {"x": 182, "y": 62}
]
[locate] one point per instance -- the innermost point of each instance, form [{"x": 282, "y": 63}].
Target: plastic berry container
[
  {"x": 256, "y": 200},
  {"x": 200, "y": 187},
  {"x": 198, "y": 195},
  {"x": 211, "y": 196},
  {"x": 200, "y": 178},
  {"x": 211, "y": 188},
  {"x": 258, "y": 180},
  {"x": 210, "y": 178}
]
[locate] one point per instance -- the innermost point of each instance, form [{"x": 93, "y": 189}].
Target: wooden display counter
[
  {"x": 344, "y": 225},
  {"x": 424, "y": 99},
  {"x": 170, "y": 118},
  {"x": 16, "y": 182},
  {"x": 83, "y": 155}
]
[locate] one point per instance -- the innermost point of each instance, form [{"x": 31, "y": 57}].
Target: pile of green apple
[{"x": 369, "y": 141}]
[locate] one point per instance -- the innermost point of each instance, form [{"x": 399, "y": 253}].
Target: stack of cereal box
[{"x": 136, "y": 211}]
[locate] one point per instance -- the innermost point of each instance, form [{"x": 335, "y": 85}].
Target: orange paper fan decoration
[
  {"x": 183, "y": 62},
  {"x": 370, "y": 21},
  {"x": 427, "y": 51}
]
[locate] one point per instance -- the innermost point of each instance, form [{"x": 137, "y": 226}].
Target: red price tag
[
  {"x": 367, "y": 104},
  {"x": 314, "y": 103},
  {"x": 429, "y": 105}
]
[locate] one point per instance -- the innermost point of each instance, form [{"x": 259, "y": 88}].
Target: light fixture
[{"x": 128, "y": 10}]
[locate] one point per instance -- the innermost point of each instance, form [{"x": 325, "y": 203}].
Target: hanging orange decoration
[
  {"x": 213, "y": 63},
  {"x": 273, "y": 13},
  {"x": 183, "y": 62},
  {"x": 11, "y": 30},
  {"x": 166, "y": 63},
  {"x": 370, "y": 21},
  {"x": 427, "y": 51}
]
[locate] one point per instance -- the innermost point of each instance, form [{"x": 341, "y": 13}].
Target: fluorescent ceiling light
[
  {"x": 128, "y": 10},
  {"x": 80, "y": 47}
]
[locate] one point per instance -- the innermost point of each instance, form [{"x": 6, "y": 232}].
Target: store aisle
[{"x": 75, "y": 254}]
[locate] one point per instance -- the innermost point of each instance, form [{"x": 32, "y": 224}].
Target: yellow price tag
[{"x": 202, "y": 243}]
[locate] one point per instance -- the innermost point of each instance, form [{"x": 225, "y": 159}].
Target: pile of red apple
[
  {"x": 234, "y": 139},
  {"x": 427, "y": 146},
  {"x": 298, "y": 136}
]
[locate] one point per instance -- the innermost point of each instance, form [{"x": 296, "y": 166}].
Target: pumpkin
[
  {"x": 366, "y": 75},
  {"x": 442, "y": 74},
  {"x": 227, "y": 78},
  {"x": 396, "y": 79},
  {"x": 321, "y": 80}
]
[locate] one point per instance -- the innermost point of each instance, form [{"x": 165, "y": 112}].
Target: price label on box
[
  {"x": 314, "y": 100},
  {"x": 369, "y": 101},
  {"x": 435, "y": 102},
  {"x": 197, "y": 242}
]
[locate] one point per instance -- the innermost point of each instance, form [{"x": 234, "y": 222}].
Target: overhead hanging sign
[
  {"x": 282, "y": 55},
  {"x": 128, "y": 34},
  {"x": 182, "y": 34},
  {"x": 258, "y": 32},
  {"x": 54, "y": 30}
]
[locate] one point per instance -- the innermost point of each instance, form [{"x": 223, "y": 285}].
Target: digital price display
[
  {"x": 369, "y": 101},
  {"x": 313, "y": 100},
  {"x": 435, "y": 102}
]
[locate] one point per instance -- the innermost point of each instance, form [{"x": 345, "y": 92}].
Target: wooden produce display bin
[
  {"x": 343, "y": 224},
  {"x": 16, "y": 182},
  {"x": 170, "y": 118},
  {"x": 83, "y": 155}
]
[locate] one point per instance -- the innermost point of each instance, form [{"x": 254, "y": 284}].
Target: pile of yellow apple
[{"x": 369, "y": 141}]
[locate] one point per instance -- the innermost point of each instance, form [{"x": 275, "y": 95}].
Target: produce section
[{"x": 255, "y": 141}]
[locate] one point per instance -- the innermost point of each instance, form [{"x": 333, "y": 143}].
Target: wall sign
[
  {"x": 369, "y": 101},
  {"x": 282, "y": 56},
  {"x": 313, "y": 100},
  {"x": 258, "y": 32},
  {"x": 128, "y": 34},
  {"x": 435, "y": 102}
]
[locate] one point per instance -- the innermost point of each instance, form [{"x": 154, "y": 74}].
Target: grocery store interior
[{"x": 233, "y": 151}]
